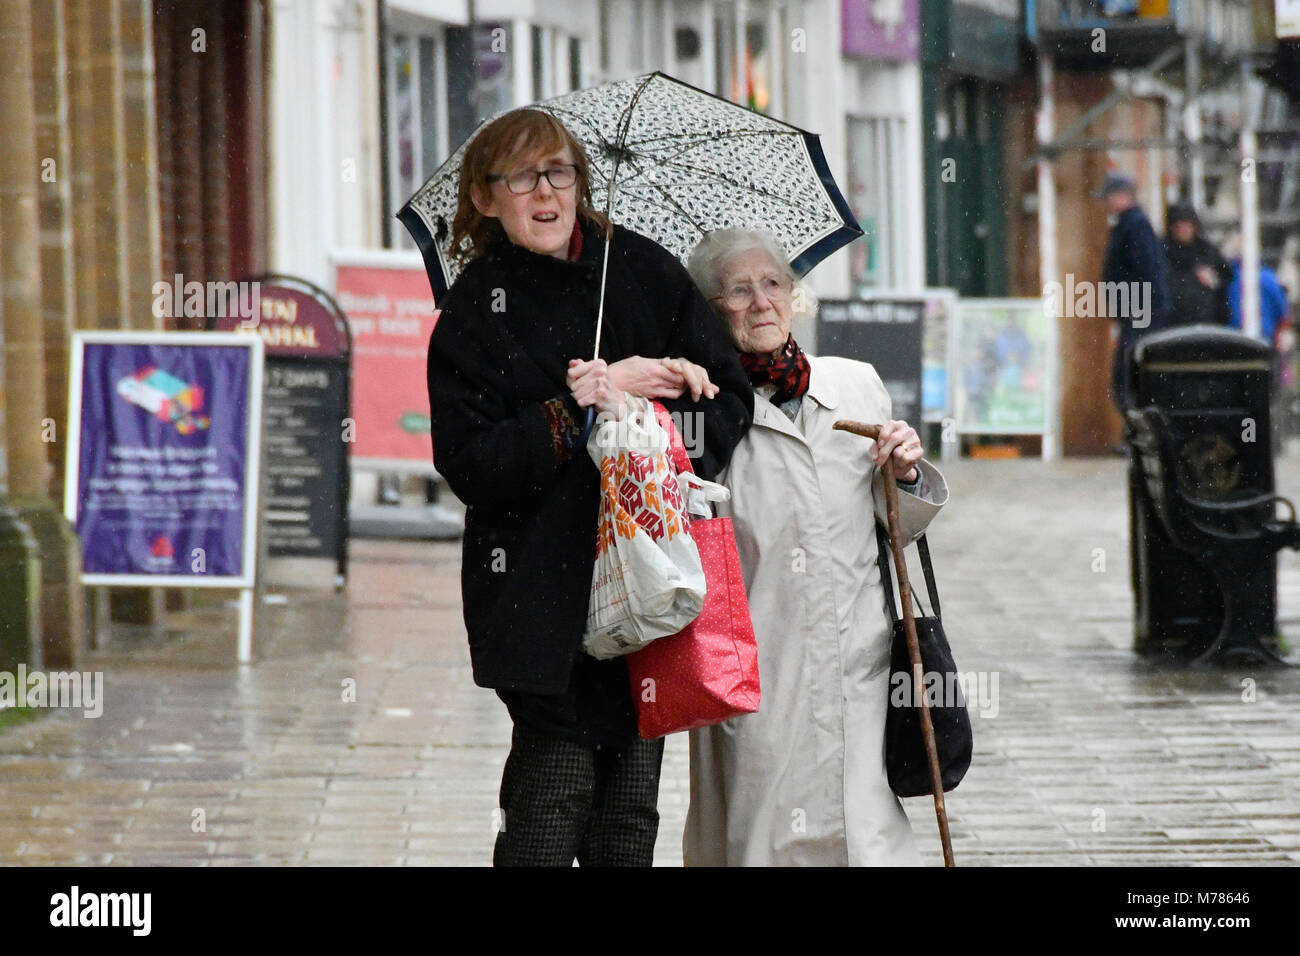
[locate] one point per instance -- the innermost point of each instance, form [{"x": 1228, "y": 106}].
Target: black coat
[
  {"x": 1191, "y": 301},
  {"x": 498, "y": 355},
  {"x": 1134, "y": 254}
]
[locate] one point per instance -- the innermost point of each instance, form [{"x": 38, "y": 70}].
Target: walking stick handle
[
  {"x": 858, "y": 428},
  {"x": 909, "y": 628}
]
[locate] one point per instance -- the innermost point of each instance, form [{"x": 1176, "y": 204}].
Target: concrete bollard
[
  {"x": 20, "y": 589},
  {"x": 63, "y": 616}
]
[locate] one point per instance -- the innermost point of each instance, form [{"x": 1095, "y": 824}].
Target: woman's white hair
[{"x": 711, "y": 256}]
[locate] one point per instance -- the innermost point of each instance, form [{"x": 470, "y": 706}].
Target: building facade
[{"x": 368, "y": 98}]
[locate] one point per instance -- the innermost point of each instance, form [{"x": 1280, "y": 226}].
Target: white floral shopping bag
[{"x": 648, "y": 581}]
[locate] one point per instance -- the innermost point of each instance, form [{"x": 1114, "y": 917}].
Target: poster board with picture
[{"x": 1004, "y": 374}]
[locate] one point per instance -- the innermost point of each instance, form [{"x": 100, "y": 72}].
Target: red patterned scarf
[{"x": 789, "y": 371}]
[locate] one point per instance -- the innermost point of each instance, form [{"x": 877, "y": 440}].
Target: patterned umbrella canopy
[{"x": 685, "y": 162}]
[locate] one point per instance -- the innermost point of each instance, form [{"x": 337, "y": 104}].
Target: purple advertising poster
[
  {"x": 880, "y": 29},
  {"x": 165, "y": 444}
]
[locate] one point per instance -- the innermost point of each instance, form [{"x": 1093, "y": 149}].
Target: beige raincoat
[{"x": 802, "y": 782}]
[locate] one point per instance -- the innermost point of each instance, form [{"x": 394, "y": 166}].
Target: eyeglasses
[
  {"x": 741, "y": 294},
  {"x": 526, "y": 180}
]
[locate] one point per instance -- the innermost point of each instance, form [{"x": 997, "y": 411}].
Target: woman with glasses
[
  {"x": 511, "y": 380},
  {"x": 802, "y": 782}
]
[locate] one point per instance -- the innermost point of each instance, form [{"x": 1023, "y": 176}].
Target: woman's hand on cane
[{"x": 901, "y": 440}]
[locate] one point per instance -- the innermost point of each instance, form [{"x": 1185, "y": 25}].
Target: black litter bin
[{"x": 1204, "y": 534}]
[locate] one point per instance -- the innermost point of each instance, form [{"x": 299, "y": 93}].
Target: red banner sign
[{"x": 391, "y": 313}]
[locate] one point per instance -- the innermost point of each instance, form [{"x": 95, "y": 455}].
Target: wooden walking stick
[{"x": 909, "y": 627}]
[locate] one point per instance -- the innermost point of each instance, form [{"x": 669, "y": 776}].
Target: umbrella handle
[
  {"x": 909, "y": 628},
  {"x": 587, "y": 426}
]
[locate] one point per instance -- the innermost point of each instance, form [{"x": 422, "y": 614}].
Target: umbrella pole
[
  {"x": 600, "y": 312},
  {"x": 600, "y": 320},
  {"x": 909, "y": 627}
]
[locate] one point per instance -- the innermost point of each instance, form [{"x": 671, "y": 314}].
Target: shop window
[
  {"x": 540, "y": 38},
  {"x": 604, "y": 37},
  {"x": 743, "y": 76},
  {"x": 874, "y": 164},
  {"x": 495, "y": 71},
  {"x": 417, "y": 131}
]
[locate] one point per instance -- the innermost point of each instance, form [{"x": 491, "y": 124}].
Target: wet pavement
[{"x": 358, "y": 736}]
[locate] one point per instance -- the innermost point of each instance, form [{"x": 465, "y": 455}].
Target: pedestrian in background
[
  {"x": 1199, "y": 274},
  {"x": 1134, "y": 257},
  {"x": 803, "y": 781},
  {"x": 1273, "y": 306},
  {"x": 1288, "y": 271},
  {"x": 510, "y": 383}
]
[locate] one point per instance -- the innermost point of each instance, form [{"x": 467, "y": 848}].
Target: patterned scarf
[{"x": 789, "y": 371}]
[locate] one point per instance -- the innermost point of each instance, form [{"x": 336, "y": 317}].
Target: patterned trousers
[{"x": 563, "y": 800}]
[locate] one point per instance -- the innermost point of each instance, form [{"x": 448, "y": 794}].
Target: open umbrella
[{"x": 682, "y": 162}]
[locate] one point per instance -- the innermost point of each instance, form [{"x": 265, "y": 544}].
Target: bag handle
[
  {"x": 676, "y": 447},
  {"x": 887, "y": 576},
  {"x": 699, "y": 496}
]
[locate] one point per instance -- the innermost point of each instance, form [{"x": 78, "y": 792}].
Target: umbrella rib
[
  {"x": 696, "y": 140},
  {"x": 707, "y": 138},
  {"x": 671, "y": 203},
  {"x": 700, "y": 141},
  {"x": 717, "y": 177},
  {"x": 584, "y": 121}
]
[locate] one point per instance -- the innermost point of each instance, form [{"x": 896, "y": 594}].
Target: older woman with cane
[
  {"x": 803, "y": 781},
  {"x": 511, "y": 379}
]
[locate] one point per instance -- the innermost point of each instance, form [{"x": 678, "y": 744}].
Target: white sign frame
[
  {"x": 1051, "y": 430},
  {"x": 245, "y": 582}
]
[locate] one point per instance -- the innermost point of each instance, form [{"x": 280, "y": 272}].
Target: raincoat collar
[{"x": 821, "y": 388}]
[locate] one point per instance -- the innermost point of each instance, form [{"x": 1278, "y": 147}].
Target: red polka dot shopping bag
[{"x": 708, "y": 671}]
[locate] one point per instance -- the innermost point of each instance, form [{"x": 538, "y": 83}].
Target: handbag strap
[
  {"x": 931, "y": 589},
  {"x": 676, "y": 447},
  {"x": 887, "y": 575}
]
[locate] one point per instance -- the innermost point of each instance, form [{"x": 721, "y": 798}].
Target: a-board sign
[
  {"x": 885, "y": 332},
  {"x": 306, "y": 458},
  {"x": 163, "y": 457},
  {"x": 390, "y": 311},
  {"x": 307, "y": 432}
]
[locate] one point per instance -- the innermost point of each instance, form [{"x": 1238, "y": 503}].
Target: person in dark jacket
[
  {"x": 510, "y": 381},
  {"x": 1199, "y": 275},
  {"x": 1134, "y": 257}
]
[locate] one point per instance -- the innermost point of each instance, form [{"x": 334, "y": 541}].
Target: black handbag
[{"x": 906, "y": 763}]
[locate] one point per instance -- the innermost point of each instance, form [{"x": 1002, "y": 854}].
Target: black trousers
[{"x": 563, "y": 800}]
